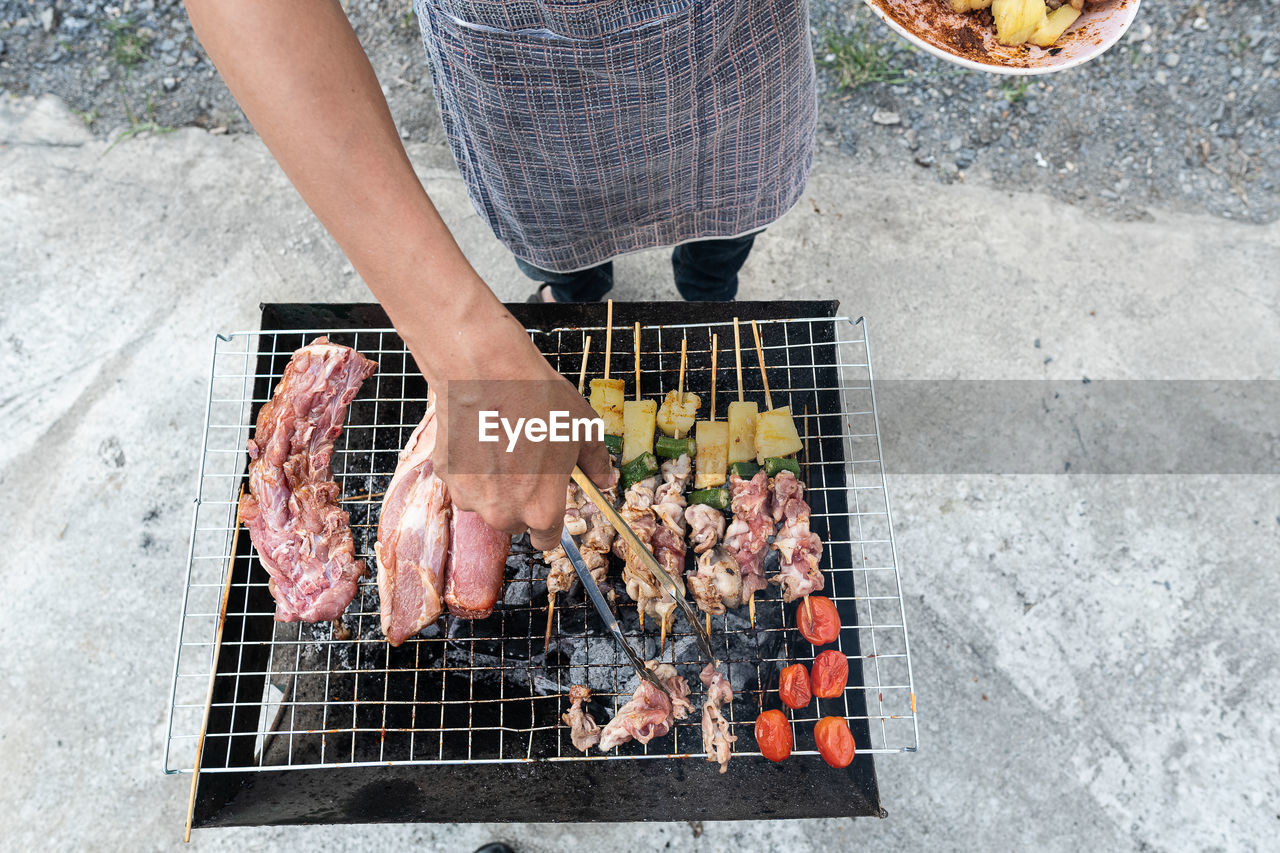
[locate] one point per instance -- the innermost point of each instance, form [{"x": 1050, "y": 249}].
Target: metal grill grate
[{"x": 300, "y": 695}]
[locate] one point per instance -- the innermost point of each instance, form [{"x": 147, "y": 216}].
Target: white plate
[{"x": 932, "y": 26}]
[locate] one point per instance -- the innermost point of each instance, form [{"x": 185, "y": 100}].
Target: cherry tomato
[
  {"x": 793, "y": 686},
  {"x": 824, "y": 626},
  {"x": 773, "y": 735},
  {"x": 830, "y": 674},
  {"x": 835, "y": 742}
]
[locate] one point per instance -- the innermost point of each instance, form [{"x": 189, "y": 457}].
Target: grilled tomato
[
  {"x": 773, "y": 735},
  {"x": 830, "y": 674},
  {"x": 793, "y": 686},
  {"x": 823, "y": 626},
  {"x": 834, "y": 740}
]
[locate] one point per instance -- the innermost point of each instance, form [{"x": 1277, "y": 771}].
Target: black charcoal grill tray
[{"x": 252, "y": 773}]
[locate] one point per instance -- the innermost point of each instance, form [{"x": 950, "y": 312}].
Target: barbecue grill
[{"x": 290, "y": 722}]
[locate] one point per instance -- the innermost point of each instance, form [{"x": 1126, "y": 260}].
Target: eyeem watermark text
[{"x": 559, "y": 426}]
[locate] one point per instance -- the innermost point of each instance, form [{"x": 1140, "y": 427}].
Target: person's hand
[{"x": 514, "y": 484}]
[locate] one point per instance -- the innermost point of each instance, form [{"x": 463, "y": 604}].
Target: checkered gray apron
[{"x": 586, "y": 129}]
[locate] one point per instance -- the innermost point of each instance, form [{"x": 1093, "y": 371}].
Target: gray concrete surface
[{"x": 1095, "y": 656}]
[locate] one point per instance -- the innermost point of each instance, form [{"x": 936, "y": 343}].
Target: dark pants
[{"x": 705, "y": 271}]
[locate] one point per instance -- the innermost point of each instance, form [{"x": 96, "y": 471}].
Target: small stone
[
  {"x": 1141, "y": 32},
  {"x": 2, "y": 47},
  {"x": 1171, "y": 60},
  {"x": 1269, "y": 57},
  {"x": 1200, "y": 25},
  {"x": 955, "y": 143},
  {"x": 925, "y": 160},
  {"x": 169, "y": 83},
  {"x": 886, "y": 117},
  {"x": 1236, "y": 72},
  {"x": 46, "y": 19},
  {"x": 964, "y": 159}
]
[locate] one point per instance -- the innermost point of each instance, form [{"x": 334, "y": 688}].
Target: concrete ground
[{"x": 1095, "y": 656}]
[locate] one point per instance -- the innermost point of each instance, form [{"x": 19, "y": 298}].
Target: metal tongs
[
  {"x": 664, "y": 580},
  {"x": 602, "y": 607}
]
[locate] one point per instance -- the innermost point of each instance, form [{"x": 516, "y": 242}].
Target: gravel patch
[{"x": 1183, "y": 114}]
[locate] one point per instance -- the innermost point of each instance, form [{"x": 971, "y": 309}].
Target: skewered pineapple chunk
[
  {"x": 742, "y": 431},
  {"x": 606, "y": 399},
  {"x": 970, "y": 5},
  {"x": 676, "y": 415},
  {"x": 1018, "y": 20},
  {"x": 637, "y": 428},
  {"x": 1055, "y": 25},
  {"x": 713, "y": 454},
  {"x": 776, "y": 435}
]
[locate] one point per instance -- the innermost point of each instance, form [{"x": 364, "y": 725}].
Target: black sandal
[{"x": 536, "y": 296}]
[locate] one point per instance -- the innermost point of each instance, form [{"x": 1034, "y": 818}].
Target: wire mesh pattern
[{"x": 335, "y": 694}]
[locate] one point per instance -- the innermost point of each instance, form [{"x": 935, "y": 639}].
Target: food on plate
[
  {"x": 430, "y": 554},
  {"x": 1055, "y": 24},
  {"x": 650, "y": 713},
  {"x": 717, "y": 741},
  {"x": 773, "y": 735},
  {"x": 835, "y": 741},
  {"x": 830, "y": 674},
  {"x": 1016, "y": 20},
  {"x": 1040, "y": 22},
  {"x": 583, "y": 730},
  {"x": 818, "y": 621},
  {"x": 302, "y": 535},
  {"x": 793, "y": 686}
]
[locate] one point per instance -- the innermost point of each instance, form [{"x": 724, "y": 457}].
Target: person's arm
[{"x": 304, "y": 82}]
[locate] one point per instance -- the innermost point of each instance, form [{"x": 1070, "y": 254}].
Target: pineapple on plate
[
  {"x": 1018, "y": 20},
  {"x": 970, "y": 5},
  {"x": 1055, "y": 25}
]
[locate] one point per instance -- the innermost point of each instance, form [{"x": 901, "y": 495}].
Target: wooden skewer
[
  {"x": 737, "y": 358},
  {"x": 808, "y": 608},
  {"x": 737, "y": 355},
  {"x": 764, "y": 376},
  {"x": 368, "y": 497},
  {"x": 684, "y": 350},
  {"x": 662, "y": 637},
  {"x": 582, "y": 373},
  {"x": 582, "y": 380},
  {"x": 804, "y": 442},
  {"x": 213, "y": 674},
  {"x": 608, "y": 337},
  {"x": 684, "y": 354},
  {"x": 637, "y": 362},
  {"x": 715, "y": 342},
  {"x": 708, "y": 615},
  {"x": 551, "y": 614}
]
